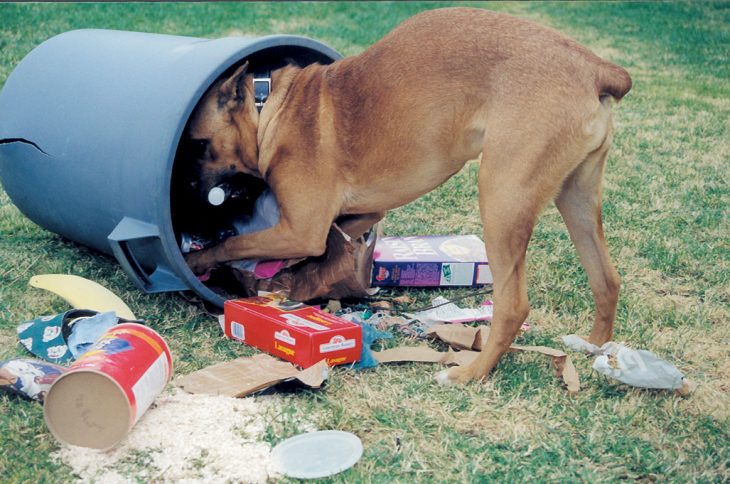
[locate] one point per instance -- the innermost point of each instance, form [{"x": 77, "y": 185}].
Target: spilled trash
[
  {"x": 244, "y": 376},
  {"x": 637, "y": 368},
  {"x": 469, "y": 341},
  {"x": 184, "y": 438},
  {"x": 444, "y": 311},
  {"x": 83, "y": 293},
  {"x": 28, "y": 378},
  {"x": 64, "y": 337},
  {"x": 97, "y": 401},
  {"x": 117, "y": 366}
]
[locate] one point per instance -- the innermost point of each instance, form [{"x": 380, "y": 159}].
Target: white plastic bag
[{"x": 638, "y": 368}]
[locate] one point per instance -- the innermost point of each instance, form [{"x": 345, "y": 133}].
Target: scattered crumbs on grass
[{"x": 184, "y": 437}]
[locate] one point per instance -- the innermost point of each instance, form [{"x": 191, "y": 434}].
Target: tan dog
[{"x": 375, "y": 131}]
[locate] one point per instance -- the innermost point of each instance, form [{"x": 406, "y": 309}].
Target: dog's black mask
[{"x": 190, "y": 209}]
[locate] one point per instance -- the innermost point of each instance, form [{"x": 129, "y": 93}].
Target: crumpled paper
[{"x": 637, "y": 368}]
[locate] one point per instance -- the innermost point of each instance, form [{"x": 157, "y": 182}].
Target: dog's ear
[
  {"x": 291, "y": 61},
  {"x": 233, "y": 87}
]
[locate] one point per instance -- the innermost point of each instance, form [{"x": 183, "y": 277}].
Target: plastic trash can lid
[{"x": 317, "y": 454}]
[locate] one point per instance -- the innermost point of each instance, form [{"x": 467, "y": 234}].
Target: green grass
[{"x": 666, "y": 221}]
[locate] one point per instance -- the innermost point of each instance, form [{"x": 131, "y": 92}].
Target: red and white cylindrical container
[{"x": 99, "y": 399}]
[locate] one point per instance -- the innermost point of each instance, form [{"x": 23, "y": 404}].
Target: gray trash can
[{"x": 90, "y": 122}]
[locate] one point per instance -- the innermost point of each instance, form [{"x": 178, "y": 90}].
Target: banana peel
[{"x": 82, "y": 293}]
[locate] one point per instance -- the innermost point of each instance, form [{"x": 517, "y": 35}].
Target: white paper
[{"x": 451, "y": 313}]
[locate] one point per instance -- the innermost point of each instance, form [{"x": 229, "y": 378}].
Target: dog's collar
[{"x": 261, "y": 88}]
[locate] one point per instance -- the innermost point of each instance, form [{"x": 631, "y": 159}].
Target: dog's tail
[{"x": 612, "y": 80}]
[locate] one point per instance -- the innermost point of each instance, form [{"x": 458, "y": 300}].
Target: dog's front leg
[
  {"x": 282, "y": 241},
  {"x": 307, "y": 209}
]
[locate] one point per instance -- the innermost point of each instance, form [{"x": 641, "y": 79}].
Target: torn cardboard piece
[
  {"x": 244, "y": 376},
  {"x": 637, "y": 368},
  {"x": 564, "y": 367},
  {"x": 471, "y": 341},
  {"x": 461, "y": 337}
]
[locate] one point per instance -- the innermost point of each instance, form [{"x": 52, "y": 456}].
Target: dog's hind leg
[
  {"x": 517, "y": 179},
  {"x": 579, "y": 202}
]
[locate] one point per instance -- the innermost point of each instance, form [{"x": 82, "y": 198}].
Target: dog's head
[{"x": 221, "y": 136}]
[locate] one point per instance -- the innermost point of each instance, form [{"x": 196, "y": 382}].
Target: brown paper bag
[{"x": 344, "y": 270}]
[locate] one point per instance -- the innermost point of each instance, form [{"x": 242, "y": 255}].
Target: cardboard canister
[{"x": 104, "y": 393}]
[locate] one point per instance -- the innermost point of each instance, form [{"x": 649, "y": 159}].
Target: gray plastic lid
[{"x": 317, "y": 454}]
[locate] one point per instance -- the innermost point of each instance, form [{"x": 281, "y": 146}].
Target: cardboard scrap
[
  {"x": 564, "y": 367},
  {"x": 471, "y": 341},
  {"x": 243, "y": 376},
  {"x": 461, "y": 337},
  {"x": 420, "y": 354}
]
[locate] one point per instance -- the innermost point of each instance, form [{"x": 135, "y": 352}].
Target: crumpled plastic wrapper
[
  {"x": 637, "y": 368},
  {"x": 344, "y": 270},
  {"x": 27, "y": 377}
]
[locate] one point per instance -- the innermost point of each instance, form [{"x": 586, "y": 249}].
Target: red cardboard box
[{"x": 301, "y": 334}]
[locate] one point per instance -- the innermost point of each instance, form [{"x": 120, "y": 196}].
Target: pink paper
[{"x": 269, "y": 268}]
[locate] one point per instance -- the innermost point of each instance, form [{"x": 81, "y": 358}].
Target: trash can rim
[{"x": 257, "y": 44}]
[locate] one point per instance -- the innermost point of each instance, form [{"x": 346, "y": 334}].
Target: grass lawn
[{"x": 665, "y": 217}]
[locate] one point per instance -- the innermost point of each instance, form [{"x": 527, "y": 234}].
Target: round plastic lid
[
  {"x": 216, "y": 196},
  {"x": 317, "y": 454}
]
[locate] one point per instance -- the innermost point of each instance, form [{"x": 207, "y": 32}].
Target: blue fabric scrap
[
  {"x": 61, "y": 338},
  {"x": 369, "y": 336},
  {"x": 85, "y": 332}
]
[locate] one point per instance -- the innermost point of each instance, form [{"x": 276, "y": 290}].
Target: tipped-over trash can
[{"x": 90, "y": 122}]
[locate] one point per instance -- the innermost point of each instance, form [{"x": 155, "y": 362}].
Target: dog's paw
[
  {"x": 457, "y": 375},
  {"x": 443, "y": 379},
  {"x": 195, "y": 262}
]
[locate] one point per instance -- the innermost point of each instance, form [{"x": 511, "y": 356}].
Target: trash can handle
[{"x": 161, "y": 279}]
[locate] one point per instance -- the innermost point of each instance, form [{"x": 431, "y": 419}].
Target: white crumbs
[{"x": 184, "y": 437}]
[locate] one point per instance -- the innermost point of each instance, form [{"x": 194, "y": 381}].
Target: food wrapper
[{"x": 28, "y": 377}]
